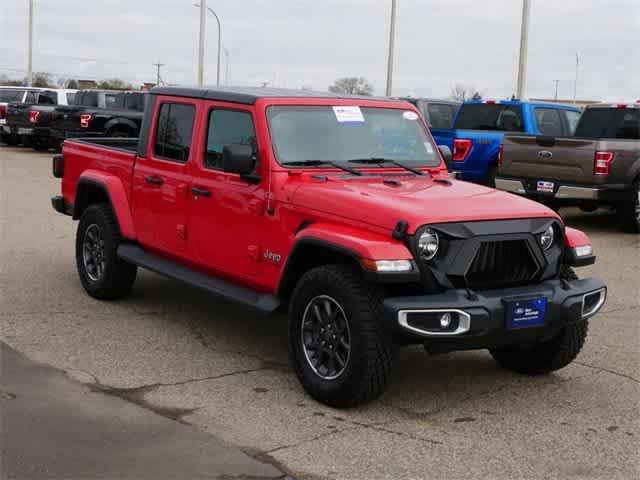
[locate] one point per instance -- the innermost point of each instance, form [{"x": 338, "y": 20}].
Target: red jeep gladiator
[{"x": 339, "y": 211}]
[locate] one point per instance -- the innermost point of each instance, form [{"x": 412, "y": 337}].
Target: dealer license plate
[
  {"x": 545, "y": 187},
  {"x": 526, "y": 313}
]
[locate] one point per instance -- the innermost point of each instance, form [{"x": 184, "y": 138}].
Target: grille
[{"x": 507, "y": 262}]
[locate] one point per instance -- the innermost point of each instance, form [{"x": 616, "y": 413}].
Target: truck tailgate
[{"x": 562, "y": 158}]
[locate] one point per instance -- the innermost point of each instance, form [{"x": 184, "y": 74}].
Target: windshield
[
  {"x": 341, "y": 134},
  {"x": 486, "y": 116}
]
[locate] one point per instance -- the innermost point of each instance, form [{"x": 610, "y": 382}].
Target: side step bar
[{"x": 261, "y": 302}]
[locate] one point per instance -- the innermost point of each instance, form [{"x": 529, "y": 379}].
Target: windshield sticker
[
  {"x": 409, "y": 115},
  {"x": 348, "y": 114},
  {"x": 428, "y": 147}
]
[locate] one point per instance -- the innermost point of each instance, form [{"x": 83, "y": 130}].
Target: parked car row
[
  {"x": 550, "y": 152},
  {"x": 44, "y": 118}
]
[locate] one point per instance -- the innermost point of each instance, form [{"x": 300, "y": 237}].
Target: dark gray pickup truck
[{"x": 599, "y": 166}]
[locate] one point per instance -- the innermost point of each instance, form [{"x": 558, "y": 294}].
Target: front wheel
[
  {"x": 337, "y": 345},
  {"x": 103, "y": 274},
  {"x": 551, "y": 355}
]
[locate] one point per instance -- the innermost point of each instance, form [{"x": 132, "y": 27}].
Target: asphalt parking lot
[{"x": 176, "y": 351}]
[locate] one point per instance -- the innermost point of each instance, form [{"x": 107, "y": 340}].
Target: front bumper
[
  {"x": 562, "y": 191},
  {"x": 481, "y": 315}
]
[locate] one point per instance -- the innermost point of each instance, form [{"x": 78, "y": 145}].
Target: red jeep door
[
  {"x": 225, "y": 210},
  {"x": 162, "y": 180}
]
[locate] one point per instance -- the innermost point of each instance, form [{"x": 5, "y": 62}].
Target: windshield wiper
[
  {"x": 318, "y": 163},
  {"x": 380, "y": 161}
]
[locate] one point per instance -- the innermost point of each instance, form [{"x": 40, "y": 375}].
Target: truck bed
[
  {"x": 119, "y": 143},
  {"x": 94, "y": 156}
]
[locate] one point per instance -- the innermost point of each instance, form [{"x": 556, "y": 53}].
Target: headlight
[
  {"x": 428, "y": 244},
  {"x": 546, "y": 239}
]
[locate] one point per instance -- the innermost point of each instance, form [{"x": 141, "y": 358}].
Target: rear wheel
[
  {"x": 102, "y": 273},
  {"x": 118, "y": 134},
  {"x": 490, "y": 178},
  {"x": 630, "y": 211},
  {"x": 11, "y": 140},
  {"x": 338, "y": 348},
  {"x": 548, "y": 356}
]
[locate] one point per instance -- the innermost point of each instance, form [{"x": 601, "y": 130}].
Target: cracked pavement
[{"x": 174, "y": 350}]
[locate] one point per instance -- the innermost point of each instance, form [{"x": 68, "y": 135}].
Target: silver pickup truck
[{"x": 599, "y": 166}]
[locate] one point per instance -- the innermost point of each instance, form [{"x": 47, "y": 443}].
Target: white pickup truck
[{"x": 21, "y": 98}]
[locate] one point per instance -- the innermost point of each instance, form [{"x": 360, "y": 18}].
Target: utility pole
[
  {"x": 524, "y": 36},
  {"x": 219, "y": 38},
  {"x": 575, "y": 82},
  {"x": 555, "y": 96},
  {"x": 392, "y": 34},
  {"x": 203, "y": 18},
  {"x": 30, "y": 47},
  {"x": 158, "y": 66}
]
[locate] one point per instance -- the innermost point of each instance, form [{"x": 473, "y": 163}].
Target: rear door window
[
  {"x": 31, "y": 98},
  {"x": 48, "y": 98},
  {"x": 173, "y": 131},
  {"x": 572, "y": 119},
  {"x": 484, "y": 116},
  {"x": 622, "y": 123},
  {"x": 549, "y": 122},
  {"x": 227, "y": 127},
  {"x": 440, "y": 115},
  {"x": 111, "y": 100}
]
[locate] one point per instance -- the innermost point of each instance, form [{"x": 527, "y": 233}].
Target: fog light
[
  {"x": 445, "y": 320},
  {"x": 584, "y": 251}
]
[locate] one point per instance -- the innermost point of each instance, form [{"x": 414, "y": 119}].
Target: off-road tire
[
  {"x": 366, "y": 371},
  {"x": 629, "y": 216},
  {"x": 551, "y": 355},
  {"x": 118, "y": 276}
]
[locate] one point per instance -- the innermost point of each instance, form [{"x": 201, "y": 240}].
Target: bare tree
[
  {"x": 5, "y": 80},
  {"x": 352, "y": 86},
  {"x": 43, "y": 80},
  {"x": 462, "y": 92}
]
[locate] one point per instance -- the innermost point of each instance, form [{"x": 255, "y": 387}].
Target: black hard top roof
[
  {"x": 249, "y": 95},
  {"x": 446, "y": 101}
]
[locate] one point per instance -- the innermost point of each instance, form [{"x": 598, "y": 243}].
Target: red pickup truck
[{"x": 339, "y": 211}]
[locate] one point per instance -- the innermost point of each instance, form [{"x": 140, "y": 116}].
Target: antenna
[{"x": 158, "y": 66}]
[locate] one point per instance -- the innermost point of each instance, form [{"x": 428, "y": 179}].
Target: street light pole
[
  {"x": 219, "y": 37},
  {"x": 555, "y": 97},
  {"x": 524, "y": 36},
  {"x": 226, "y": 65},
  {"x": 392, "y": 34},
  {"x": 203, "y": 18},
  {"x": 30, "y": 47}
]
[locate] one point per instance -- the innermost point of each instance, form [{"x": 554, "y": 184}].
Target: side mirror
[
  {"x": 445, "y": 151},
  {"x": 239, "y": 159}
]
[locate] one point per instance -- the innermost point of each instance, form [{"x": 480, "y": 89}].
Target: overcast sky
[{"x": 295, "y": 43}]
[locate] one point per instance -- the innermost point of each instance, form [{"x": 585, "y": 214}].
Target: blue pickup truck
[{"x": 480, "y": 126}]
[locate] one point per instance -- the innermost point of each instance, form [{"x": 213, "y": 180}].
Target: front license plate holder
[{"x": 525, "y": 312}]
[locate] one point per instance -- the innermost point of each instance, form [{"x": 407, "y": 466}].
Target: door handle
[
  {"x": 200, "y": 192},
  {"x": 154, "y": 180}
]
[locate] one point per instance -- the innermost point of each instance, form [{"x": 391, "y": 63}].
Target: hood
[{"x": 384, "y": 200}]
